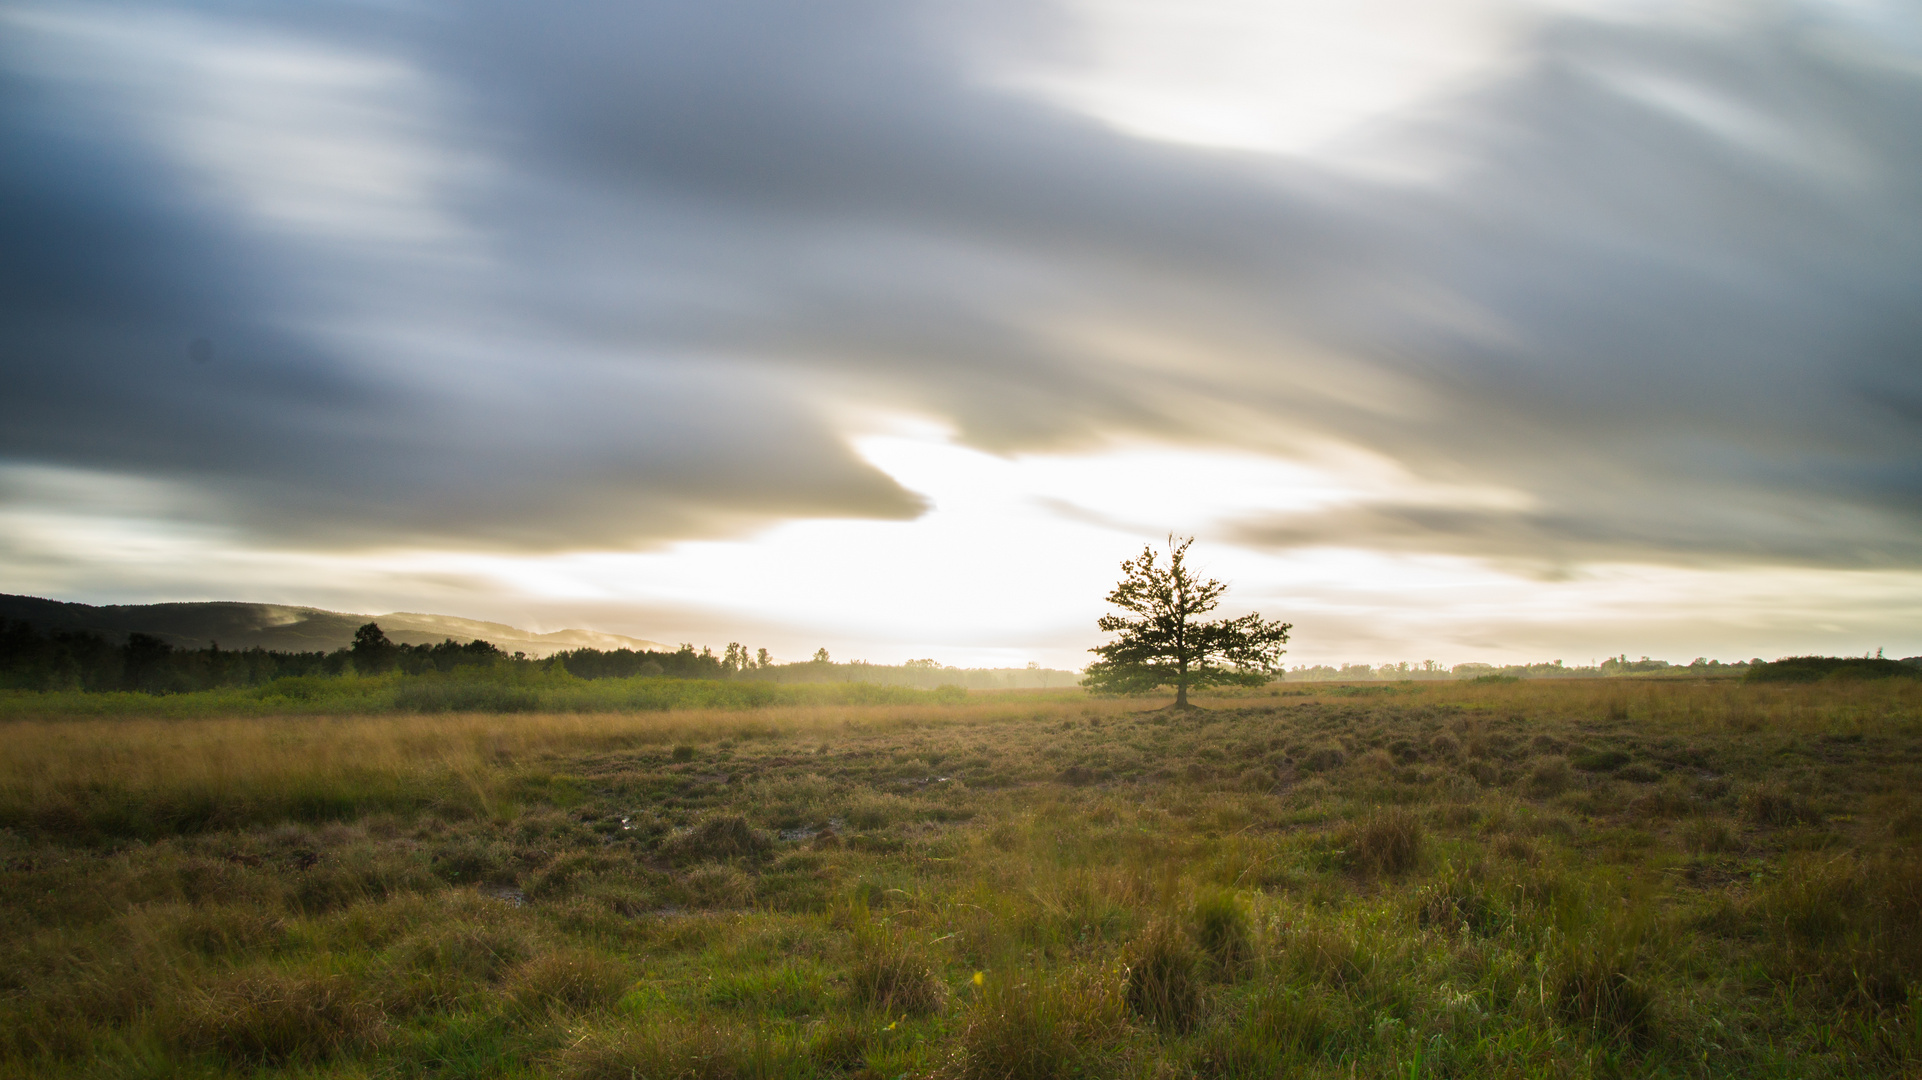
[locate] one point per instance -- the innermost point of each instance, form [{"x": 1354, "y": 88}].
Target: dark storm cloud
[{"x": 1665, "y": 297}]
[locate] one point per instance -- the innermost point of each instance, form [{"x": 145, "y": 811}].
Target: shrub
[
  {"x": 1163, "y": 985},
  {"x": 429, "y": 694}
]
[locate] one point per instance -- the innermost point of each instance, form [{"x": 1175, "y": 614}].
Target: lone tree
[{"x": 1168, "y": 644}]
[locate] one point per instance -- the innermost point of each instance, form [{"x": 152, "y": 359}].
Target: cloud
[{"x": 604, "y": 276}]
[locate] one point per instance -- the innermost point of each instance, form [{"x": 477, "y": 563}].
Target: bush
[{"x": 428, "y": 694}]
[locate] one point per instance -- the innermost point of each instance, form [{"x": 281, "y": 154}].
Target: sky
[{"x": 1453, "y": 330}]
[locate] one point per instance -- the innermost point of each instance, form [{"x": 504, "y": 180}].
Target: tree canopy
[{"x": 1163, "y": 642}]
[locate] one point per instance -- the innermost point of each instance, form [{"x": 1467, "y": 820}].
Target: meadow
[{"x": 1578, "y": 877}]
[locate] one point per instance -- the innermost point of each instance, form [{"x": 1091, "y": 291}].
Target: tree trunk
[{"x": 1181, "y": 694}]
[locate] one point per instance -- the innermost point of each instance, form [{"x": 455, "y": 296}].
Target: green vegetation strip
[{"x": 497, "y": 690}]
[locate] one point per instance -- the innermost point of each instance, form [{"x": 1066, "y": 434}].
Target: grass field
[{"x": 1568, "y": 878}]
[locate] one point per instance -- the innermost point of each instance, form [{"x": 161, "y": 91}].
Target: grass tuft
[
  {"x": 666, "y": 1049},
  {"x": 1041, "y": 1025},
  {"x": 570, "y": 980},
  {"x": 1389, "y": 842},
  {"x": 263, "y": 1017},
  {"x": 720, "y": 837},
  {"x": 1223, "y": 930},
  {"x": 892, "y": 978},
  {"x": 1775, "y": 806},
  {"x": 1163, "y": 984},
  {"x": 1599, "y": 992}
]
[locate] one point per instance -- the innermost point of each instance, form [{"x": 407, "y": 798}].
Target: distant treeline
[
  {"x": 76, "y": 660},
  {"x": 1612, "y": 667},
  {"x": 62, "y": 660},
  {"x": 737, "y": 664},
  {"x": 1802, "y": 669}
]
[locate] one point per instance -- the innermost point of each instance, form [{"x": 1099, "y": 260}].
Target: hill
[{"x": 283, "y": 628}]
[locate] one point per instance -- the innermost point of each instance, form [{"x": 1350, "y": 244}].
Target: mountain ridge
[{"x": 239, "y": 624}]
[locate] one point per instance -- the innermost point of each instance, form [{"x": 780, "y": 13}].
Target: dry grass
[
  {"x": 1388, "y": 842},
  {"x": 156, "y": 777},
  {"x": 1042, "y": 1025},
  {"x": 1164, "y": 984},
  {"x": 1573, "y": 879}
]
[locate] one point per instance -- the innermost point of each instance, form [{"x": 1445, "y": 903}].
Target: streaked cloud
[{"x": 1578, "y": 287}]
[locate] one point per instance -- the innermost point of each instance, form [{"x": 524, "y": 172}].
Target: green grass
[
  {"x": 1576, "y": 878},
  {"x": 486, "y": 690}
]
